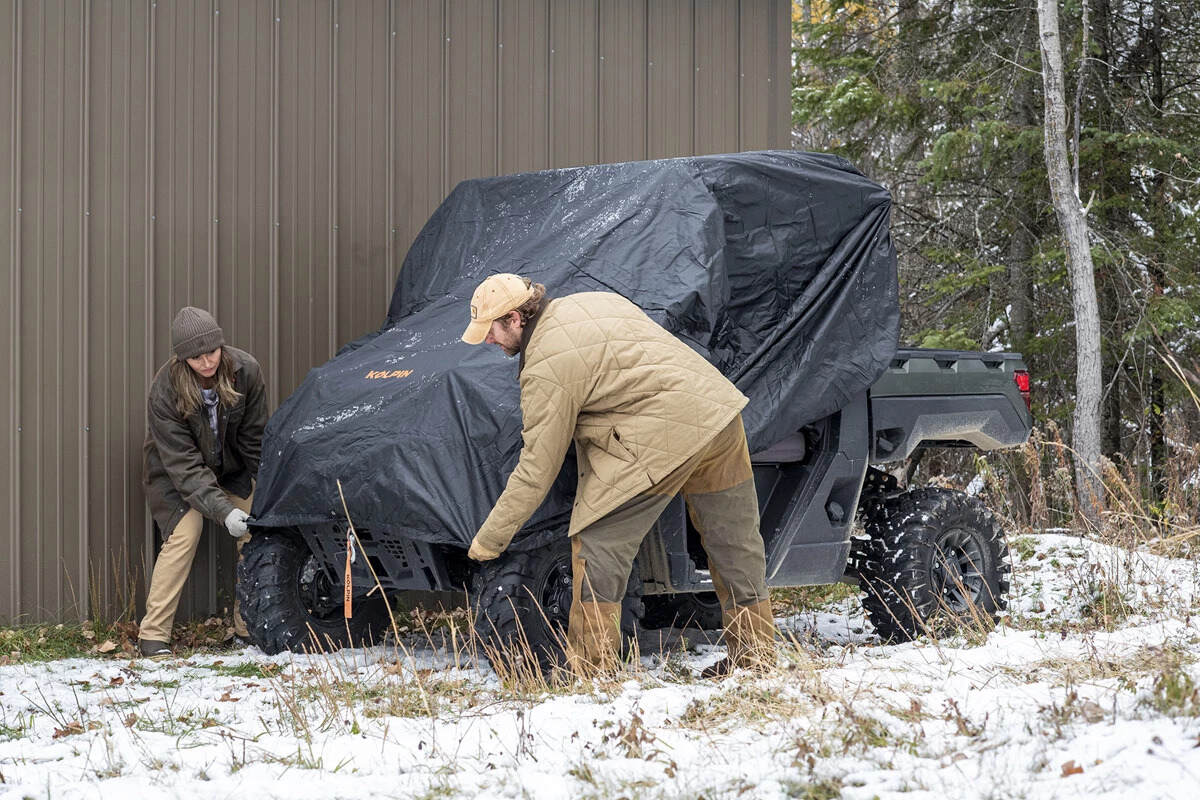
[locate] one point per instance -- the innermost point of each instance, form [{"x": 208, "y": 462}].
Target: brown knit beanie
[{"x": 194, "y": 332}]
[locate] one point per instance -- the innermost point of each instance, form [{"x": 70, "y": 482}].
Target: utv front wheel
[
  {"x": 936, "y": 560},
  {"x": 289, "y": 602},
  {"x": 522, "y": 602}
]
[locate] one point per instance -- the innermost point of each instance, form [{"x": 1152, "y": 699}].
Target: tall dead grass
[{"x": 1033, "y": 487}]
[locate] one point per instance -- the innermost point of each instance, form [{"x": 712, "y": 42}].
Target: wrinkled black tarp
[{"x": 777, "y": 266}]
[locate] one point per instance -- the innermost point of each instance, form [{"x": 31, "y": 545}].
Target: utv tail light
[{"x": 1021, "y": 379}]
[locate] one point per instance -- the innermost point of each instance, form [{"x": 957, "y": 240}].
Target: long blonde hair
[{"x": 187, "y": 389}]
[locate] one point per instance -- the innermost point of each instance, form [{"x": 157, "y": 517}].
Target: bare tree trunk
[{"x": 1086, "y": 439}]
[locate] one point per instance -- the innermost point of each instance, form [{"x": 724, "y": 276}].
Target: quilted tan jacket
[{"x": 637, "y": 401}]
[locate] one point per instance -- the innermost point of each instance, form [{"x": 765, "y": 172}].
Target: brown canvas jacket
[
  {"x": 636, "y": 401},
  {"x": 182, "y": 466}
]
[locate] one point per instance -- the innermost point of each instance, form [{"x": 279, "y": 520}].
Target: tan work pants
[
  {"x": 171, "y": 570},
  {"x": 718, "y": 487}
]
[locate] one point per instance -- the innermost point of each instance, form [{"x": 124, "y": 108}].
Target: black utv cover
[{"x": 776, "y": 266}]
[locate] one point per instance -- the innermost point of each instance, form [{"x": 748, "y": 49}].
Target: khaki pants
[
  {"x": 718, "y": 487},
  {"x": 171, "y": 570}
]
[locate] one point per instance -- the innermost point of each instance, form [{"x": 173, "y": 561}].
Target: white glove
[{"x": 236, "y": 523}]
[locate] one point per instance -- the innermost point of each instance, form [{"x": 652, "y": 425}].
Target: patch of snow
[{"x": 1045, "y": 706}]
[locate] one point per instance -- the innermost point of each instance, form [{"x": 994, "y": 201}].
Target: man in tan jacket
[{"x": 650, "y": 418}]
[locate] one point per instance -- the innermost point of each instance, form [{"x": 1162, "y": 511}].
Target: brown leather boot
[
  {"x": 593, "y": 638},
  {"x": 749, "y": 638}
]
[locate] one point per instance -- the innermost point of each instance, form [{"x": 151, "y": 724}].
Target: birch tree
[{"x": 1069, "y": 210}]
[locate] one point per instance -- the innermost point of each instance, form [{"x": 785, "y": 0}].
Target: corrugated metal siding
[{"x": 272, "y": 161}]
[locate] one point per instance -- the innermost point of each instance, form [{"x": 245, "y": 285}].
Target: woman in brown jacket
[{"x": 206, "y": 413}]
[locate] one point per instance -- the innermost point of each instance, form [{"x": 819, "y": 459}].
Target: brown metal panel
[
  {"x": 471, "y": 55},
  {"x": 716, "y": 77},
  {"x": 117, "y": 275},
  {"x": 670, "y": 107},
  {"x": 76, "y": 541},
  {"x": 419, "y": 84},
  {"x": 362, "y": 41},
  {"x": 304, "y": 155},
  {"x": 779, "y": 109},
  {"x": 574, "y": 83},
  {"x": 243, "y": 180},
  {"x": 754, "y": 77},
  {"x": 51, "y": 365},
  {"x": 11, "y": 501},
  {"x": 623, "y": 78},
  {"x": 524, "y": 47},
  {"x": 182, "y": 125}
]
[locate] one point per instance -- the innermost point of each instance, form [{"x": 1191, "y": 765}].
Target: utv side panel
[{"x": 806, "y": 523}]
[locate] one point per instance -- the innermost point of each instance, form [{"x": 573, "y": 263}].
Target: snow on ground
[{"x": 1088, "y": 689}]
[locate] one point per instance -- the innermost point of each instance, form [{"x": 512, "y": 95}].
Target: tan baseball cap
[{"x": 495, "y": 297}]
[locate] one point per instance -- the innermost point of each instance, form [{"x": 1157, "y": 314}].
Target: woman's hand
[{"x": 236, "y": 522}]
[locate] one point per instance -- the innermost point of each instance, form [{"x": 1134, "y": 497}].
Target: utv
[{"x": 776, "y": 266}]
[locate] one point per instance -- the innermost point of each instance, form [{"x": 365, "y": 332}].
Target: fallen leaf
[
  {"x": 107, "y": 646},
  {"x": 227, "y": 698},
  {"x": 1071, "y": 768},
  {"x": 71, "y": 729},
  {"x": 129, "y": 720},
  {"x": 106, "y": 701},
  {"x": 89, "y": 634},
  {"x": 117, "y": 681}
]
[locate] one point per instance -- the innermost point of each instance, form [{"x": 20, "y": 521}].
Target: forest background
[{"x": 942, "y": 101}]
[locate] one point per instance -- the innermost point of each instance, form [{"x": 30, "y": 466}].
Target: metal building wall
[{"x": 271, "y": 161}]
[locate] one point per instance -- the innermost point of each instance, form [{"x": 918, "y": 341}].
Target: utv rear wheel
[
  {"x": 290, "y": 603},
  {"x": 936, "y": 560},
  {"x": 522, "y": 602}
]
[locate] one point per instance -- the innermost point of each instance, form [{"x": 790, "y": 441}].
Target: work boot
[
  {"x": 749, "y": 639},
  {"x": 593, "y": 638},
  {"x": 152, "y": 649}
]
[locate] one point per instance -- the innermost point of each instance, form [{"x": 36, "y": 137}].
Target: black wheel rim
[
  {"x": 318, "y": 594},
  {"x": 957, "y": 571},
  {"x": 554, "y": 594}
]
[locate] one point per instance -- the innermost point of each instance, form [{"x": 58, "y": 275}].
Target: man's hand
[
  {"x": 236, "y": 522},
  {"x": 481, "y": 552}
]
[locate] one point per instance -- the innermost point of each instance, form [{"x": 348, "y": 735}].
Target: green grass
[
  {"x": 1174, "y": 692},
  {"x": 247, "y": 669},
  {"x": 802, "y": 598},
  {"x": 33, "y": 643},
  {"x": 24, "y": 644}
]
